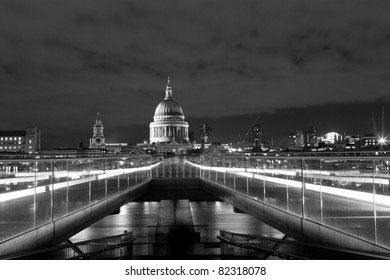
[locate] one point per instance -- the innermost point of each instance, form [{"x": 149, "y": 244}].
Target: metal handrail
[
  {"x": 319, "y": 156},
  {"x": 357, "y": 253},
  {"x": 37, "y": 158},
  {"x": 100, "y": 251},
  {"x": 66, "y": 246},
  {"x": 258, "y": 248}
]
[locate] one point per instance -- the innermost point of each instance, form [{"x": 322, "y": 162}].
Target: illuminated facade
[
  {"x": 168, "y": 125},
  {"x": 369, "y": 141},
  {"x": 24, "y": 141},
  {"x": 331, "y": 138}
]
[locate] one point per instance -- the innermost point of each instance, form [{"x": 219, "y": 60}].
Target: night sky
[{"x": 291, "y": 64}]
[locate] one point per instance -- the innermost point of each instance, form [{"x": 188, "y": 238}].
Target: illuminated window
[
  {"x": 20, "y": 138},
  {"x": 6, "y": 138},
  {"x": 29, "y": 141}
]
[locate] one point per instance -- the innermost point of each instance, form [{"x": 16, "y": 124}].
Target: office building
[{"x": 20, "y": 141}]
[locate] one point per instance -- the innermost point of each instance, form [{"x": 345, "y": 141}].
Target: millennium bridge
[{"x": 337, "y": 202}]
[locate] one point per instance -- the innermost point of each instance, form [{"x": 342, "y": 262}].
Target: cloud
[{"x": 69, "y": 59}]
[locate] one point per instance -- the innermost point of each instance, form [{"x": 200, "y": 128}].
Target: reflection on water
[
  {"x": 219, "y": 215},
  {"x": 141, "y": 219}
]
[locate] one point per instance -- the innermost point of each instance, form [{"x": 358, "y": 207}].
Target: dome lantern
[{"x": 168, "y": 90}]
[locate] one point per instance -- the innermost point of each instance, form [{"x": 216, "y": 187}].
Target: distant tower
[
  {"x": 255, "y": 135},
  {"x": 311, "y": 138},
  {"x": 97, "y": 141},
  {"x": 205, "y": 130},
  {"x": 292, "y": 141}
]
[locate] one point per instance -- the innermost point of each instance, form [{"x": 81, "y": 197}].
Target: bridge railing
[
  {"x": 34, "y": 192},
  {"x": 349, "y": 194}
]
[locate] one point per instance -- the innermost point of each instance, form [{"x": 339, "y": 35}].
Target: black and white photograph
[{"x": 225, "y": 137}]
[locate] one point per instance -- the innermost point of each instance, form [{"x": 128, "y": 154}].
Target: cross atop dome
[{"x": 168, "y": 90}]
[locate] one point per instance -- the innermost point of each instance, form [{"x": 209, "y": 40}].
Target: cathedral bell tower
[{"x": 97, "y": 141}]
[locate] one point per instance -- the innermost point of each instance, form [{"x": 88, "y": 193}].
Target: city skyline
[{"x": 293, "y": 65}]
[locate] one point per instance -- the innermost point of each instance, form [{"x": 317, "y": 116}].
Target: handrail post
[
  {"x": 374, "y": 201},
  {"x": 35, "y": 192},
  {"x": 302, "y": 190},
  {"x": 52, "y": 191},
  {"x": 67, "y": 190}
]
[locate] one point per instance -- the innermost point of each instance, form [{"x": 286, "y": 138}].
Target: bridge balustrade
[
  {"x": 349, "y": 194},
  {"x": 34, "y": 192}
]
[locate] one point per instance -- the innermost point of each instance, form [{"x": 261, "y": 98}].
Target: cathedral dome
[{"x": 168, "y": 107}]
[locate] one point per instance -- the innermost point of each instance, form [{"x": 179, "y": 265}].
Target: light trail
[
  {"x": 326, "y": 175},
  {"x": 76, "y": 176},
  {"x": 351, "y": 194}
]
